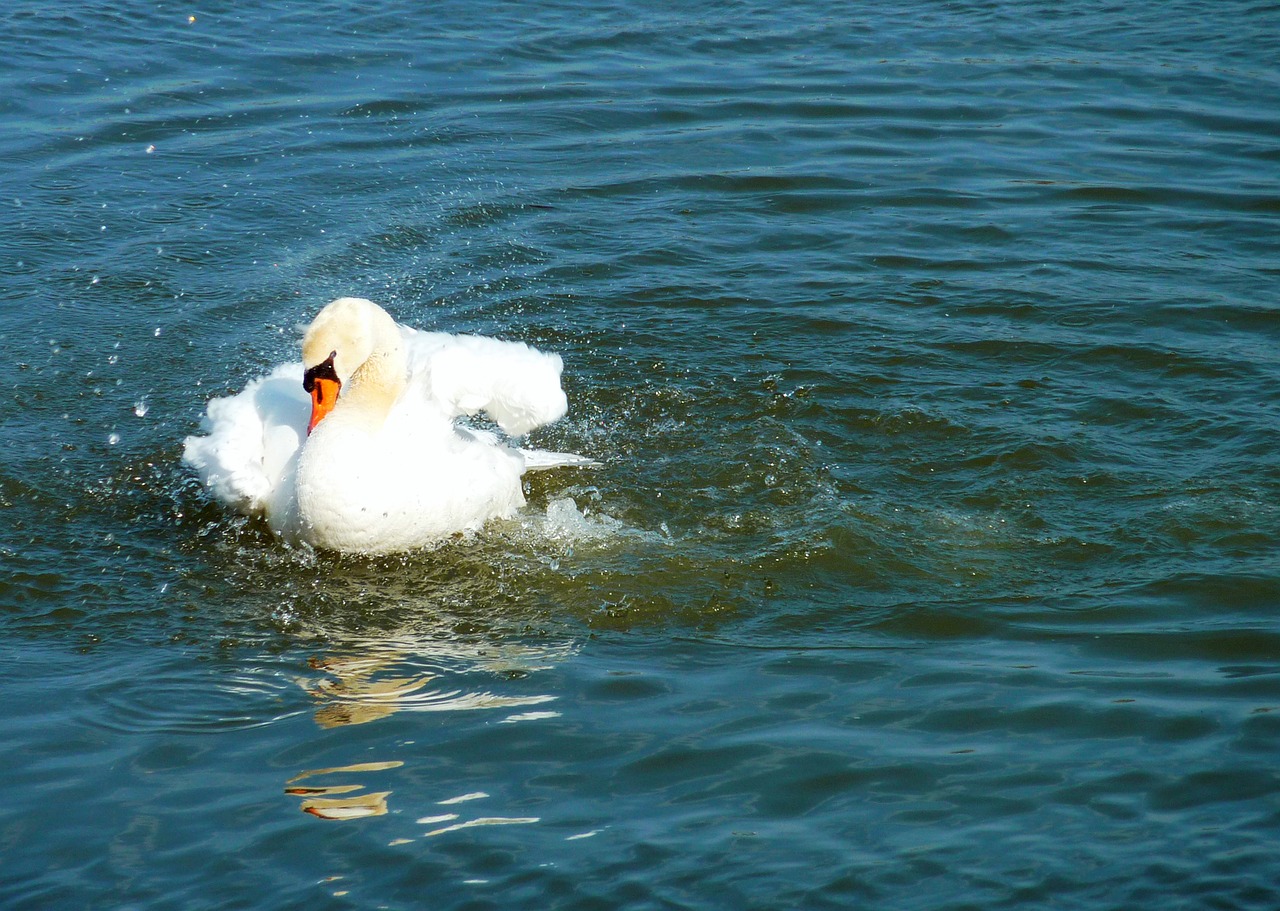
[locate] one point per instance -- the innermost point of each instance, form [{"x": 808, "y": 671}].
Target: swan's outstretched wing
[
  {"x": 517, "y": 386},
  {"x": 250, "y": 439}
]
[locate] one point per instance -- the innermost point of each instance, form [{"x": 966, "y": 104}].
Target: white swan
[{"x": 381, "y": 464}]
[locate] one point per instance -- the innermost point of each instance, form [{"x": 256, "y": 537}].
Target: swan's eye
[{"x": 321, "y": 371}]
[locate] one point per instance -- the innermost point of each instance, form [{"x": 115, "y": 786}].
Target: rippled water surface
[{"x": 931, "y": 352}]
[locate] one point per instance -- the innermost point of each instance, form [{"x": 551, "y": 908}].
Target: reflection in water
[
  {"x": 321, "y": 802},
  {"x": 463, "y": 798},
  {"x": 363, "y": 687},
  {"x": 376, "y": 679},
  {"x": 483, "y": 821},
  {"x": 468, "y": 823},
  {"x": 374, "y": 804}
]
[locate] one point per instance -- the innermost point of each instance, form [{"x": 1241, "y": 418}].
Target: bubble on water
[
  {"x": 140, "y": 407},
  {"x": 113, "y": 438}
]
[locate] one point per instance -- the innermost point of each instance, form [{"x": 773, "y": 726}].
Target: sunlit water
[{"x": 931, "y": 354}]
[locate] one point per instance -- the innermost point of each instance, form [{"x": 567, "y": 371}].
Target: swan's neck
[{"x": 374, "y": 388}]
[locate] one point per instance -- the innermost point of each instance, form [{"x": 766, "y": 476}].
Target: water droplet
[
  {"x": 112, "y": 439},
  {"x": 140, "y": 407}
]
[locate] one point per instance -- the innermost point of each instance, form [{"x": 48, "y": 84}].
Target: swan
[{"x": 358, "y": 448}]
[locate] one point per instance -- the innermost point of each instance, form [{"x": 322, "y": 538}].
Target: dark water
[{"x": 932, "y": 353}]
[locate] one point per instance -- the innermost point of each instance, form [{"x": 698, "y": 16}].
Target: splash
[{"x": 563, "y": 521}]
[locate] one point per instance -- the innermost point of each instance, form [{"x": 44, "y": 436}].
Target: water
[{"x": 931, "y": 354}]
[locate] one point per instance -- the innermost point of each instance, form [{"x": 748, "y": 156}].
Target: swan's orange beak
[
  {"x": 324, "y": 395},
  {"x": 323, "y": 384}
]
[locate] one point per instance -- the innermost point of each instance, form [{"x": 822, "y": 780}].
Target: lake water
[{"x": 932, "y": 352}]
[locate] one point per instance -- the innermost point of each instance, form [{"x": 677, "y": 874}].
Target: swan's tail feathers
[{"x": 542, "y": 459}]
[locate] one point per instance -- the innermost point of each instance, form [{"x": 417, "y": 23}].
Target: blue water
[{"x": 932, "y": 356}]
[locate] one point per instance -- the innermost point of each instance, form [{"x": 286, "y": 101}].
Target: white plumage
[{"x": 388, "y": 468}]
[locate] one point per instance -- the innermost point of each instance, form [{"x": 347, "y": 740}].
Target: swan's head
[{"x": 345, "y": 336}]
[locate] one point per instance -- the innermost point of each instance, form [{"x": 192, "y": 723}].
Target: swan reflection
[
  {"x": 360, "y": 687},
  {"x": 369, "y": 681},
  {"x": 320, "y": 800}
]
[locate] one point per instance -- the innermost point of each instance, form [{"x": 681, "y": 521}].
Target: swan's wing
[
  {"x": 250, "y": 439},
  {"x": 517, "y": 386}
]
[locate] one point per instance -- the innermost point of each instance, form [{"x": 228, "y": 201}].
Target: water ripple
[{"x": 171, "y": 700}]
